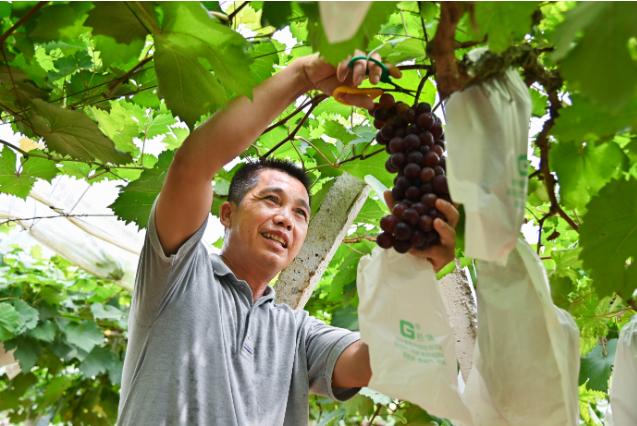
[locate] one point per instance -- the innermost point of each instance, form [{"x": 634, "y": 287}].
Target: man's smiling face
[{"x": 269, "y": 225}]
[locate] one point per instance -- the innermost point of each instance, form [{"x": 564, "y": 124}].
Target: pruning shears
[{"x": 388, "y": 71}]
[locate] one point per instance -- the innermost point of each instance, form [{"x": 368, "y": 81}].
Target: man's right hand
[{"x": 325, "y": 77}]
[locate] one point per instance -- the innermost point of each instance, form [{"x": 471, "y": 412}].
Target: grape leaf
[
  {"x": 27, "y": 351},
  {"x": 10, "y": 321},
  {"x": 596, "y": 366},
  {"x": 377, "y": 14},
  {"x": 10, "y": 182},
  {"x": 586, "y": 120},
  {"x": 583, "y": 169},
  {"x": 116, "y": 19},
  {"x": 55, "y": 389},
  {"x": 96, "y": 362},
  {"x": 603, "y": 50},
  {"x": 401, "y": 49},
  {"x": 504, "y": 22},
  {"x": 265, "y": 56},
  {"x": 191, "y": 43},
  {"x": 121, "y": 56},
  {"x": 73, "y": 133},
  {"x": 29, "y": 315},
  {"x": 136, "y": 199},
  {"x": 121, "y": 124},
  {"x": 608, "y": 237},
  {"x": 59, "y": 21},
  {"x": 275, "y": 13},
  {"x": 45, "y": 331},
  {"x": 85, "y": 334},
  {"x": 20, "y": 184},
  {"x": 345, "y": 317},
  {"x": 101, "y": 311},
  {"x": 575, "y": 20}
]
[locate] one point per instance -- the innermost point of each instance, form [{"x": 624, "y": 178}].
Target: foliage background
[{"x": 97, "y": 82}]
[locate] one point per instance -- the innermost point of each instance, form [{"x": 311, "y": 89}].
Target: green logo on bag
[
  {"x": 407, "y": 329},
  {"x": 523, "y": 165}
]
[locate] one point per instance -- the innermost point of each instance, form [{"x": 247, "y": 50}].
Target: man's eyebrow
[{"x": 278, "y": 190}]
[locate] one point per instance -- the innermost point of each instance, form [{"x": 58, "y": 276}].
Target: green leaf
[
  {"x": 597, "y": 365},
  {"x": 121, "y": 124},
  {"x": 85, "y": 335},
  {"x": 27, "y": 351},
  {"x": 602, "y": 51},
  {"x": 608, "y": 237},
  {"x": 539, "y": 103},
  {"x": 575, "y": 20},
  {"x": 10, "y": 182},
  {"x": 374, "y": 166},
  {"x": 101, "y": 311},
  {"x": 10, "y": 321},
  {"x": 504, "y": 22},
  {"x": 136, "y": 199},
  {"x": 45, "y": 331},
  {"x": 265, "y": 56},
  {"x": 583, "y": 169},
  {"x": 402, "y": 49},
  {"x": 190, "y": 44},
  {"x": 117, "y": 20},
  {"x": 586, "y": 120},
  {"x": 55, "y": 389},
  {"x": 122, "y": 56},
  {"x": 73, "y": 133},
  {"x": 189, "y": 90},
  {"x": 377, "y": 14},
  {"x": 96, "y": 362},
  {"x": 59, "y": 21},
  {"x": 275, "y": 13},
  {"x": 29, "y": 315},
  {"x": 345, "y": 317}
]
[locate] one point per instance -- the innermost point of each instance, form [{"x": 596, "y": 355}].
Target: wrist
[{"x": 302, "y": 81}]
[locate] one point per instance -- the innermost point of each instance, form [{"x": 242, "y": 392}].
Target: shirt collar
[{"x": 221, "y": 269}]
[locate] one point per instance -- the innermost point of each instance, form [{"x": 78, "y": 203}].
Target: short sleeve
[
  {"x": 158, "y": 273},
  {"x": 324, "y": 345}
]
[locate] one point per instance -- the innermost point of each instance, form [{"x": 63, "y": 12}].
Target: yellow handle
[{"x": 371, "y": 92}]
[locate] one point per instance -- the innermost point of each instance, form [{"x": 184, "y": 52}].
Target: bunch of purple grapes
[{"x": 414, "y": 139}]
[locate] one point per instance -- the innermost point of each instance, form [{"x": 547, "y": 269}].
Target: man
[{"x": 207, "y": 344}]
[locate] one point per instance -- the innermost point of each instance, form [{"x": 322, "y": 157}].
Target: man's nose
[{"x": 283, "y": 219}]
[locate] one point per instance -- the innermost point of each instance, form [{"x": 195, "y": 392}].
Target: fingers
[
  {"x": 449, "y": 210},
  {"x": 389, "y": 199},
  {"x": 375, "y": 71},
  {"x": 447, "y": 233},
  {"x": 343, "y": 70},
  {"x": 359, "y": 70}
]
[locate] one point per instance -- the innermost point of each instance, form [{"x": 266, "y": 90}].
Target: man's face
[{"x": 270, "y": 223}]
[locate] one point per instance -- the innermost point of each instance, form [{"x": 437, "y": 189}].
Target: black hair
[{"x": 247, "y": 176}]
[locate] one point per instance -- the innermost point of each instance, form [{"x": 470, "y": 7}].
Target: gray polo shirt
[{"x": 200, "y": 352}]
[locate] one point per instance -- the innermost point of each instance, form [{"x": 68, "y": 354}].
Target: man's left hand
[{"x": 444, "y": 252}]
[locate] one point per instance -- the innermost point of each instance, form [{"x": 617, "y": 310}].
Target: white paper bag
[
  {"x": 526, "y": 361},
  {"x": 623, "y": 386},
  {"x": 487, "y": 138},
  {"x": 403, "y": 320}
]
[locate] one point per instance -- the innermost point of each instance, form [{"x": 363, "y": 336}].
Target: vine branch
[
  {"x": 63, "y": 215},
  {"x": 315, "y": 102},
  {"x": 55, "y": 159},
  {"x": 21, "y": 21}
]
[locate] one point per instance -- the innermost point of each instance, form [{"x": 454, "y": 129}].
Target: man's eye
[
  {"x": 302, "y": 213},
  {"x": 271, "y": 198}
]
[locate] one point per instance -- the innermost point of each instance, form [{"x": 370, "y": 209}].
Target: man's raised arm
[{"x": 186, "y": 197}]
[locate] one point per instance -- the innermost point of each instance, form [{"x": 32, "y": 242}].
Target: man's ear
[{"x": 225, "y": 213}]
